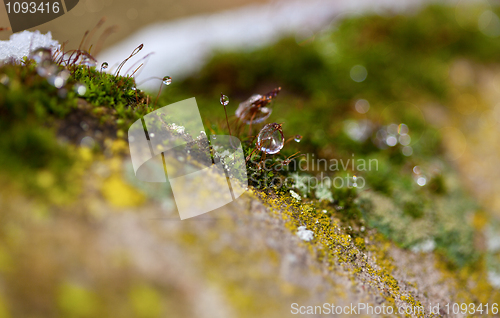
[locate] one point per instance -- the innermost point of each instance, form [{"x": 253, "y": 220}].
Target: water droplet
[
  {"x": 151, "y": 135},
  {"x": 362, "y": 106},
  {"x": 391, "y": 141},
  {"x": 358, "y": 73},
  {"x": 298, "y": 138},
  {"x": 224, "y": 100},
  {"x": 60, "y": 79},
  {"x": 87, "y": 61},
  {"x": 104, "y": 65},
  {"x": 4, "y": 79},
  {"x": 403, "y": 129},
  {"x": 65, "y": 74},
  {"x": 405, "y": 140},
  {"x": 167, "y": 80},
  {"x": 393, "y": 129},
  {"x": 84, "y": 126},
  {"x": 250, "y": 112},
  {"x": 58, "y": 82},
  {"x": 41, "y": 55},
  {"x": 421, "y": 181},
  {"x": 80, "y": 89},
  {"x": 133, "y": 88},
  {"x": 214, "y": 137},
  {"x": 270, "y": 139},
  {"x": 46, "y": 68},
  {"x": 87, "y": 142},
  {"x": 407, "y": 151}
]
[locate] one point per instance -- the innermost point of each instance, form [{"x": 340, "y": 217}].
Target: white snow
[
  {"x": 22, "y": 43},
  {"x": 305, "y": 234},
  {"x": 295, "y": 195}
]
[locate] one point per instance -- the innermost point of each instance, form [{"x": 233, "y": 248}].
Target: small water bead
[
  {"x": 403, "y": 129},
  {"x": 421, "y": 181},
  {"x": 405, "y": 140},
  {"x": 362, "y": 106},
  {"x": 270, "y": 139},
  {"x": 87, "y": 142},
  {"x": 84, "y": 126},
  {"x": 60, "y": 79},
  {"x": 56, "y": 81},
  {"x": 41, "y": 55},
  {"x": 87, "y": 61},
  {"x": 47, "y": 68},
  {"x": 4, "y": 79},
  {"x": 224, "y": 100},
  {"x": 393, "y": 129},
  {"x": 64, "y": 74},
  {"x": 298, "y": 138},
  {"x": 104, "y": 65},
  {"x": 80, "y": 89},
  {"x": 391, "y": 141},
  {"x": 167, "y": 80},
  {"x": 249, "y": 113},
  {"x": 407, "y": 151}
]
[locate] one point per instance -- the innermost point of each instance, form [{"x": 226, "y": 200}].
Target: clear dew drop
[
  {"x": 104, "y": 65},
  {"x": 87, "y": 142},
  {"x": 41, "y": 55},
  {"x": 80, "y": 89},
  {"x": 248, "y": 113},
  {"x": 60, "y": 79},
  {"x": 84, "y": 126},
  {"x": 224, "y": 100},
  {"x": 47, "y": 68},
  {"x": 87, "y": 61},
  {"x": 4, "y": 79},
  {"x": 298, "y": 138},
  {"x": 270, "y": 139},
  {"x": 167, "y": 80},
  {"x": 421, "y": 181}
]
